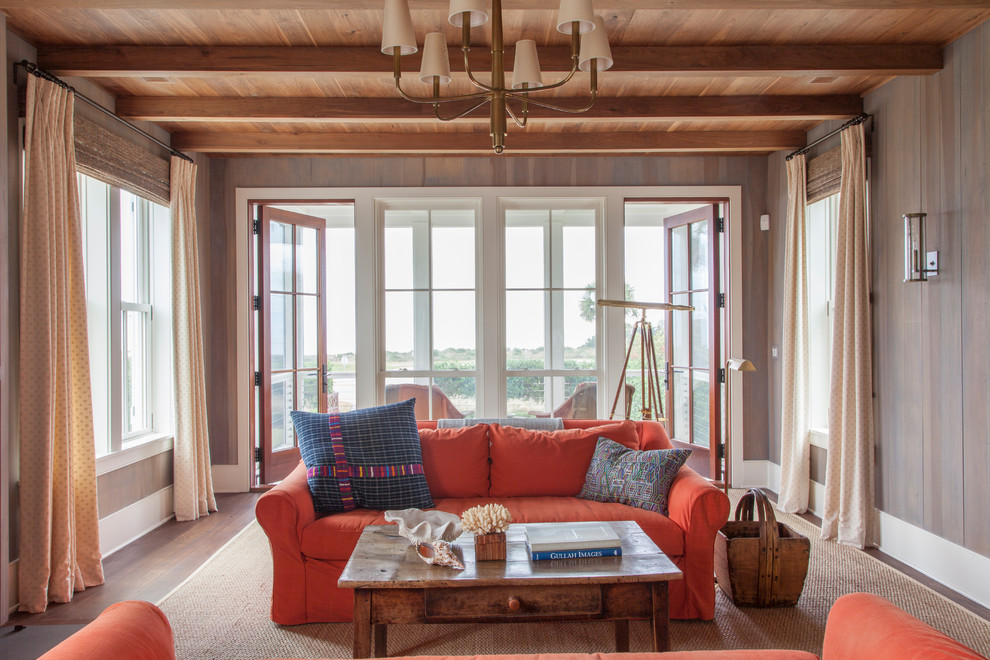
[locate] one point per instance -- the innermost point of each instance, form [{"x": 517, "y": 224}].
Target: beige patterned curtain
[
  {"x": 849, "y": 478},
  {"x": 795, "y": 450},
  {"x": 193, "y": 481},
  {"x": 60, "y": 531}
]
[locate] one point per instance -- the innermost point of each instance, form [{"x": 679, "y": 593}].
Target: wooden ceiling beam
[
  {"x": 479, "y": 143},
  {"x": 362, "y": 110},
  {"x": 508, "y": 5},
  {"x": 205, "y": 61}
]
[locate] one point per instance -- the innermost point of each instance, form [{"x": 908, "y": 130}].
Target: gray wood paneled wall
[
  {"x": 229, "y": 174},
  {"x": 931, "y": 353}
]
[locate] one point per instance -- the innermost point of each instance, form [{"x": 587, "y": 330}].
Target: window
[
  {"x": 126, "y": 253},
  {"x": 821, "y": 221},
  {"x": 430, "y": 306},
  {"x": 551, "y": 276}
]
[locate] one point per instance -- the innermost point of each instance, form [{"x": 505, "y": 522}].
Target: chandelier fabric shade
[
  {"x": 435, "y": 60},
  {"x": 575, "y": 11},
  {"x": 526, "y": 70},
  {"x": 397, "y": 31},
  {"x": 478, "y": 10},
  {"x": 595, "y": 49},
  {"x": 590, "y": 52}
]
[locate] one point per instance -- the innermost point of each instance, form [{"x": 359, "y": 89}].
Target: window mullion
[{"x": 116, "y": 325}]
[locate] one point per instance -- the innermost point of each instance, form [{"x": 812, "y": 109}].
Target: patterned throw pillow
[
  {"x": 368, "y": 458},
  {"x": 630, "y": 476}
]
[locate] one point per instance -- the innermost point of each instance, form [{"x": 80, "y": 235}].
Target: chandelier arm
[
  {"x": 470, "y": 74},
  {"x": 520, "y": 124},
  {"x": 474, "y": 107},
  {"x": 573, "y": 111},
  {"x": 435, "y": 99},
  {"x": 561, "y": 83}
]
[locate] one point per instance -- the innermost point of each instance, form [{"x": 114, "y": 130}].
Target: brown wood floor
[{"x": 155, "y": 564}]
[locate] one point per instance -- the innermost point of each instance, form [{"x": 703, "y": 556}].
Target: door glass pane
[
  {"x": 578, "y": 258},
  {"x": 681, "y": 414},
  {"x": 524, "y": 330},
  {"x": 280, "y": 242},
  {"x": 699, "y": 426},
  {"x": 524, "y": 261},
  {"x": 281, "y": 331},
  {"x": 525, "y": 395},
  {"x": 453, "y": 330},
  {"x": 579, "y": 329},
  {"x": 453, "y": 251},
  {"x": 699, "y": 255},
  {"x": 309, "y": 391},
  {"x": 699, "y": 329},
  {"x": 307, "y": 328},
  {"x": 341, "y": 324},
  {"x": 460, "y": 393},
  {"x": 681, "y": 331},
  {"x": 346, "y": 390},
  {"x": 307, "y": 259},
  {"x": 643, "y": 249},
  {"x": 282, "y": 403},
  {"x": 679, "y": 258}
]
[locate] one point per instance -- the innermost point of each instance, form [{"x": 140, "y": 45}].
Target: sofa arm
[
  {"x": 283, "y": 512},
  {"x": 131, "y": 630},
  {"x": 868, "y": 626},
  {"x": 697, "y": 505}
]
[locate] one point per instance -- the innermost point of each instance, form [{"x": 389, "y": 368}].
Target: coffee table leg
[
  {"x": 661, "y": 617},
  {"x": 381, "y": 640},
  {"x": 622, "y": 635},
  {"x": 362, "y": 623}
]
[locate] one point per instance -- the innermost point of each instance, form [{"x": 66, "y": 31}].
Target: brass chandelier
[{"x": 590, "y": 53}]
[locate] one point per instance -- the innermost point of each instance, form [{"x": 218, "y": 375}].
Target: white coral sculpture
[{"x": 486, "y": 519}]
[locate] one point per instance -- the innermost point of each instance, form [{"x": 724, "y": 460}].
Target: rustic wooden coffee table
[{"x": 392, "y": 585}]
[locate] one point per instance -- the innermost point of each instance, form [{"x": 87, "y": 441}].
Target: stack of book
[{"x": 572, "y": 540}]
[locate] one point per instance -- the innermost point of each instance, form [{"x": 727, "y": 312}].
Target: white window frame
[
  {"x": 423, "y": 283},
  {"x": 105, "y": 310},
  {"x": 821, "y": 224},
  {"x": 553, "y": 313},
  {"x": 238, "y": 476}
]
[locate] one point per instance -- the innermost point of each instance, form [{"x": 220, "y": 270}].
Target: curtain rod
[
  {"x": 34, "y": 69},
  {"x": 852, "y": 122}
]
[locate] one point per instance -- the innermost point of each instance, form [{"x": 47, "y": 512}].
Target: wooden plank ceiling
[{"x": 690, "y": 76}]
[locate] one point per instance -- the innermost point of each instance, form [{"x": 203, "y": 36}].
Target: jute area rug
[{"x": 222, "y": 612}]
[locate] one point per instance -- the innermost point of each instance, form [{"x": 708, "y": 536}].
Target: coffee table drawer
[{"x": 480, "y": 602}]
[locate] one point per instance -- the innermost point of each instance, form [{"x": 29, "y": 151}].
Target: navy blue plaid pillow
[{"x": 376, "y": 462}]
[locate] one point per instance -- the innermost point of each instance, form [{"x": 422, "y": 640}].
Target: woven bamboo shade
[
  {"x": 824, "y": 174},
  {"x": 112, "y": 159}
]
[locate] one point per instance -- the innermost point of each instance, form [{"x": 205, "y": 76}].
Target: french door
[
  {"x": 291, "y": 332},
  {"x": 693, "y": 346}
]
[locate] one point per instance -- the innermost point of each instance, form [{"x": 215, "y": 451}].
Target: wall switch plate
[
  {"x": 931, "y": 264},
  {"x": 774, "y": 351},
  {"x": 765, "y": 222}
]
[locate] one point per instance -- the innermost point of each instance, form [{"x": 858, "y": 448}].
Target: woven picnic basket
[{"x": 760, "y": 562}]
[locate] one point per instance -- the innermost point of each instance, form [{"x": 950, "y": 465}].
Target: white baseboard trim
[
  {"x": 121, "y": 527},
  {"x": 953, "y": 565},
  {"x": 12, "y": 591}
]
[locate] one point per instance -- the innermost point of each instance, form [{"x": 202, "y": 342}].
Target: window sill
[
  {"x": 818, "y": 438},
  {"x": 135, "y": 452}
]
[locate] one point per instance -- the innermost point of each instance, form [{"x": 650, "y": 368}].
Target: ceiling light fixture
[{"x": 575, "y": 17}]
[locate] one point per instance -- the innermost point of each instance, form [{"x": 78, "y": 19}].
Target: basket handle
[{"x": 769, "y": 555}]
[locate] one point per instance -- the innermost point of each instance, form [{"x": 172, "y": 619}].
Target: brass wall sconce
[{"x": 918, "y": 264}]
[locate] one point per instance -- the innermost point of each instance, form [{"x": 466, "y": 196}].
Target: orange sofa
[
  {"x": 533, "y": 474},
  {"x": 860, "y": 626}
]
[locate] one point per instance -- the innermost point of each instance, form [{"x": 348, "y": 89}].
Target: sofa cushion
[
  {"x": 377, "y": 463},
  {"x": 456, "y": 461},
  {"x": 548, "y": 462},
  {"x": 333, "y": 538},
  {"x": 638, "y": 478}
]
